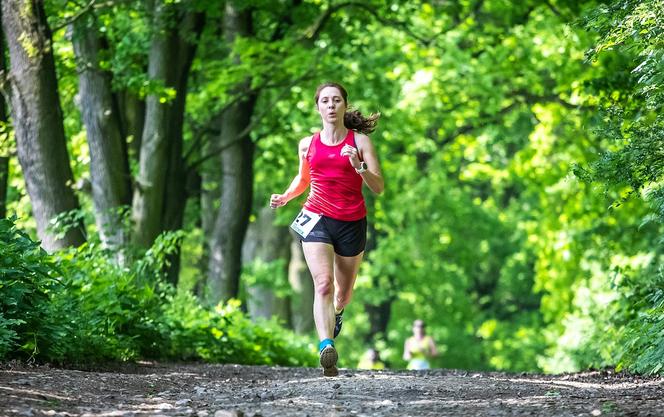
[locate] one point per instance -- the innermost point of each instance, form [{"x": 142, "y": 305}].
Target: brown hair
[{"x": 353, "y": 119}]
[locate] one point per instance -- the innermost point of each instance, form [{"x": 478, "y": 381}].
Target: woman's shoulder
[
  {"x": 361, "y": 138},
  {"x": 304, "y": 143}
]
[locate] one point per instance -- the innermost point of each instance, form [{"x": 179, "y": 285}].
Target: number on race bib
[
  {"x": 302, "y": 219},
  {"x": 305, "y": 222}
]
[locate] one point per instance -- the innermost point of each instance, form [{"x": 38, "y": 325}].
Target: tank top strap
[{"x": 351, "y": 138}]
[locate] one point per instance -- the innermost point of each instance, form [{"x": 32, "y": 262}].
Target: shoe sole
[{"x": 328, "y": 360}]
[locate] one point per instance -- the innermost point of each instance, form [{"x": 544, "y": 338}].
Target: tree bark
[
  {"x": 302, "y": 301},
  {"x": 109, "y": 166},
  {"x": 160, "y": 195},
  {"x": 176, "y": 193},
  {"x": 132, "y": 119},
  {"x": 37, "y": 117},
  {"x": 4, "y": 134},
  {"x": 264, "y": 243},
  {"x": 225, "y": 247},
  {"x": 209, "y": 200},
  {"x": 4, "y": 176},
  {"x": 225, "y": 261},
  {"x": 148, "y": 200}
]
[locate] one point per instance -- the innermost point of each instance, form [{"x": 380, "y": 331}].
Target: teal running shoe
[{"x": 328, "y": 360}]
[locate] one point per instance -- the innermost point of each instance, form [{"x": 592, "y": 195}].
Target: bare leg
[
  {"x": 345, "y": 272},
  {"x": 320, "y": 260}
]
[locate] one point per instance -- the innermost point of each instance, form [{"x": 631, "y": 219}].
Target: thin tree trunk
[
  {"x": 225, "y": 260},
  {"x": 225, "y": 256},
  {"x": 210, "y": 198},
  {"x": 4, "y": 176},
  {"x": 4, "y": 159},
  {"x": 109, "y": 166},
  {"x": 302, "y": 301},
  {"x": 264, "y": 244},
  {"x": 147, "y": 210},
  {"x": 37, "y": 117},
  {"x": 176, "y": 194}
]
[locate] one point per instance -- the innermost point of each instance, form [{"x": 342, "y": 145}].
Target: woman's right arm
[{"x": 301, "y": 180}]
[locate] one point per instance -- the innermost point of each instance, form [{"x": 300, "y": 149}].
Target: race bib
[{"x": 304, "y": 222}]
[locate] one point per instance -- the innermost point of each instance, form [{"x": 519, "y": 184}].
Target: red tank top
[{"x": 336, "y": 189}]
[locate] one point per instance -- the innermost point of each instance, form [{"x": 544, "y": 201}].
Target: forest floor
[{"x": 204, "y": 390}]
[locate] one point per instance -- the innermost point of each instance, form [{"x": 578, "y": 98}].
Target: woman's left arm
[
  {"x": 372, "y": 176},
  {"x": 432, "y": 347}
]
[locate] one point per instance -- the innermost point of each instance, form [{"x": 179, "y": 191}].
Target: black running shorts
[{"x": 347, "y": 238}]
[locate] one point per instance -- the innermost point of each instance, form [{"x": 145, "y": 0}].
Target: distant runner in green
[
  {"x": 334, "y": 162},
  {"x": 419, "y": 348}
]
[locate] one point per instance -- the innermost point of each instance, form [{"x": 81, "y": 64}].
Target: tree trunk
[
  {"x": 37, "y": 117},
  {"x": 147, "y": 210},
  {"x": 225, "y": 260},
  {"x": 132, "y": 119},
  {"x": 302, "y": 301},
  {"x": 264, "y": 244},
  {"x": 225, "y": 246},
  {"x": 109, "y": 166},
  {"x": 4, "y": 175},
  {"x": 176, "y": 194},
  {"x": 209, "y": 199},
  {"x": 4, "y": 134},
  {"x": 379, "y": 317}
]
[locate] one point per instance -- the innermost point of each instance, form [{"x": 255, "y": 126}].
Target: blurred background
[{"x": 521, "y": 144}]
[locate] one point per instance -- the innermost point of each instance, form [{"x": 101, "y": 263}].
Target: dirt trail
[{"x": 252, "y": 391}]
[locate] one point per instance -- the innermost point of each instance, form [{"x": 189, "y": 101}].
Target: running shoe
[
  {"x": 338, "y": 322},
  {"x": 328, "y": 360}
]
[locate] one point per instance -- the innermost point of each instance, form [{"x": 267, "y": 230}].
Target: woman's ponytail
[{"x": 353, "y": 119}]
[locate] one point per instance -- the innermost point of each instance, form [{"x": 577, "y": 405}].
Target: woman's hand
[
  {"x": 277, "y": 200},
  {"x": 351, "y": 153}
]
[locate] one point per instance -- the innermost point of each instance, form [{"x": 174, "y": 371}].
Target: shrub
[{"x": 80, "y": 306}]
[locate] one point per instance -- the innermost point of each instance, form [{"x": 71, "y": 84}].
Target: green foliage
[
  {"x": 631, "y": 168},
  {"x": 644, "y": 335},
  {"x": 97, "y": 311},
  {"x": 267, "y": 274},
  {"x": 27, "y": 276},
  {"x": 61, "y": 224},
  {"x": 514, "y": 345},
  {"x": 633, "y": 122},
  {"x": 635, "y": 335}
]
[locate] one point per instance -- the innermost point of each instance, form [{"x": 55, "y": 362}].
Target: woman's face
[{"x": 331, "y": 105}]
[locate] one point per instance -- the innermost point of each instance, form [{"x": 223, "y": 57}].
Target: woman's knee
[{"x": 323, "y": 285}]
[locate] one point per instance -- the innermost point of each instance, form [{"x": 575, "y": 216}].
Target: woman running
[{"x": 334, "y": 163}]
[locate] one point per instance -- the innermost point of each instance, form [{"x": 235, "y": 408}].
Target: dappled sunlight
[{"x": 617, "y": 386}]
